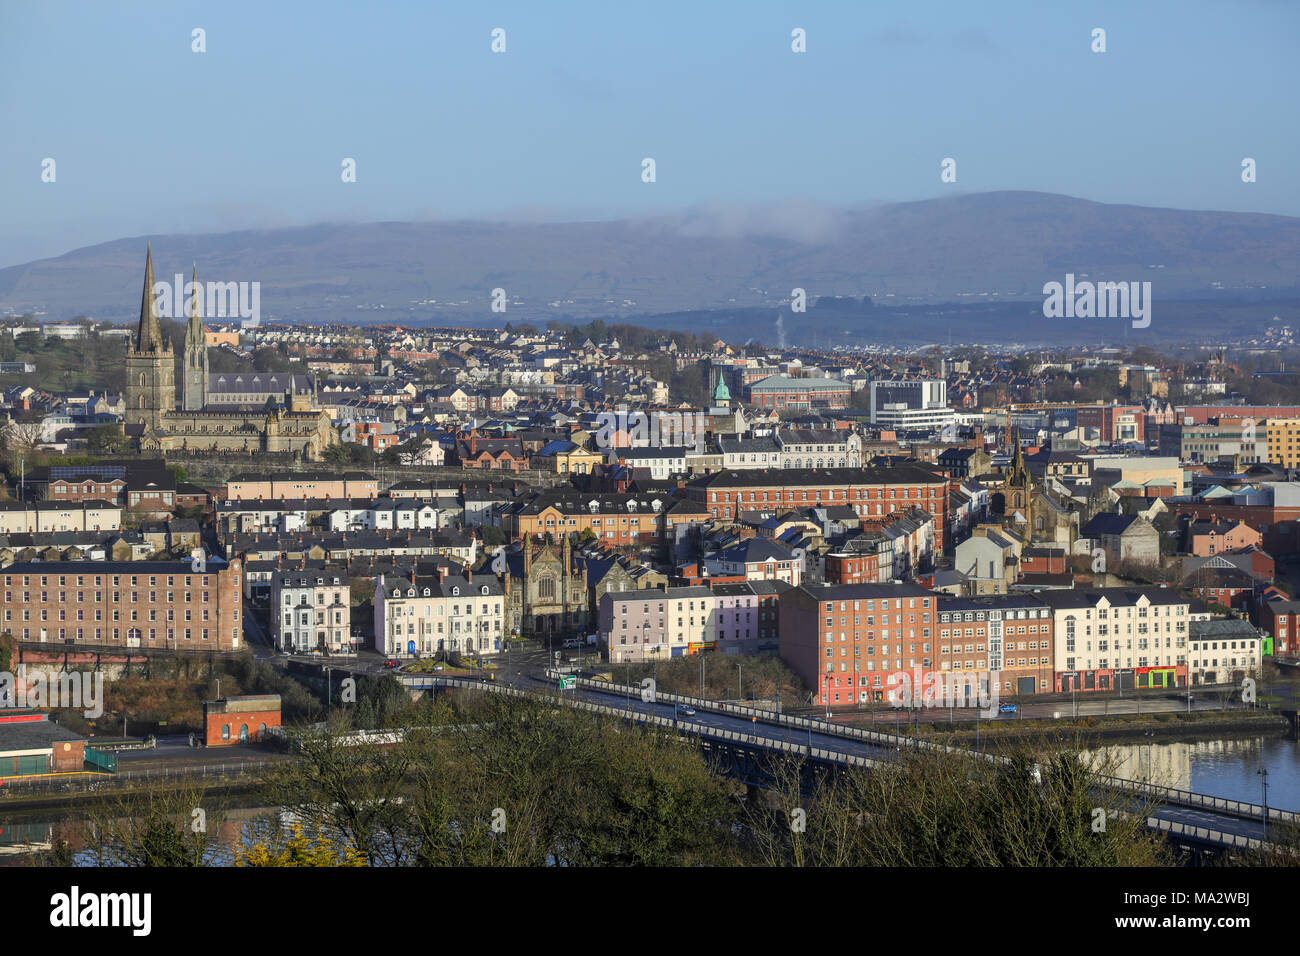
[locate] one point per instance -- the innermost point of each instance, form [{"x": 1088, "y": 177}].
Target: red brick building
[
  {"x": 1279, "y": 617},
  {"x": 234, "y": 720},
  {"x": 87, "y": 488},
  {"x": 846, "y": 640},
  {"x": 1117, "y": 423},
  {"x": 158, "y": 604},
  {"x": 852, "y": 567},
  {"x": 870, "y": 492},
  {"x": 491, "y": 454},
  {"x": 780, "y": 391}
]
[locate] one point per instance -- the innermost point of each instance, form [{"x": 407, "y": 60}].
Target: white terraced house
[
  {"x": 418, "y": 616},
  {"x": 310, "y": 610}
]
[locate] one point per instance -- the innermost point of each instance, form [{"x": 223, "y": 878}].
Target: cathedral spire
[
  {"x": 1019, "y": 470},
  {"x": 194, "y": 394},
  {"x": 196, "y": 304},
  {"x": 149, "y": 337}
]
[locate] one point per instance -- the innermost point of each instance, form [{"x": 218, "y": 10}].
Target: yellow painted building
[{"x": 1283, "y": 435}]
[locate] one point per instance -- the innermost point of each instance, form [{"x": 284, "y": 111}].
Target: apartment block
[
  {"x": 157, "y": 604},
  {"x": 1119, "y": 638},
  {"x": 846, "y": 640}
]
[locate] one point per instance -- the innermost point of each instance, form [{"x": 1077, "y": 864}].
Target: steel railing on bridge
[{"x": 1166, "y": 795}]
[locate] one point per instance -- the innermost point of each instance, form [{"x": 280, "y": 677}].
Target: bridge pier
[{"x": 1293, "y": 724}]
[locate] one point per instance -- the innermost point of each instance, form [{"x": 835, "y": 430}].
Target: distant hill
[{"x": 969, "y": 250}]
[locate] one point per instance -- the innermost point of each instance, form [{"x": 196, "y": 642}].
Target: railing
[
  {"x": 1204, "y": 833},
  {"x": 730, "y": 736},
  {"x": 105, "y": 762},
  {"x": 91, "y": 781},
  {"x": 1168, "y": 795},
  {"x": 1189, "y": 798}
]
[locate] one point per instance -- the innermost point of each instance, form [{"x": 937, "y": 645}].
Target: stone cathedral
[{"x": 153, "y": 419}]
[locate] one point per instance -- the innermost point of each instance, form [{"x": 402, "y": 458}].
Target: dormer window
[
  {"x": 427, "y": 592},
  {"x": 455, "y": 592},
  {"x": 483, "y": 589}
]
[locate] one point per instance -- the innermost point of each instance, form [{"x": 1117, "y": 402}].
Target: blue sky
[{"x": 150, "y": 137}]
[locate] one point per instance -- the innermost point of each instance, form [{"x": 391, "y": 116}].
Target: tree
[
  {"x": 153, "y": 828},
  {"x": 22, "y": 438},
  {"x": 298, "y": 850},
  {"x": 106, "y": 439}
]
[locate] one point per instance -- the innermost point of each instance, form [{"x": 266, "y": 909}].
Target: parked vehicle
[
  {"x": 390, "y": 663},
  {"x": 1008, "y": 708}
]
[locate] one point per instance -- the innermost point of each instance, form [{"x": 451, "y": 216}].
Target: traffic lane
[
  {"x": 735, "y": 724},
  {"x": 1202, "y": 818}
]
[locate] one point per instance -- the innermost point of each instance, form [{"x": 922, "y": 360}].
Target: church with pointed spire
[
  {"x": 1013, "y": 498},
  {"x": 195, "y": 367},
  {"x": 150, "y": 365},
  {"x": 153, "y": 420}
]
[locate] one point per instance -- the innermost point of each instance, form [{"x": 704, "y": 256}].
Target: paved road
[{"x": 173, "y": 752}]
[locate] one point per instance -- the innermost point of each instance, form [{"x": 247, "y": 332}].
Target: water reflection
[{"x": 1220, "y": 768}]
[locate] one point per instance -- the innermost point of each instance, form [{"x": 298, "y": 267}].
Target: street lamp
[
  {"x": 1150, "y": 735},
  {"x": 1263, "y": 772},
  {"x": 740, "y": 682}
]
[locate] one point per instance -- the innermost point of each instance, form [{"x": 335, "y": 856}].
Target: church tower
[
  {"x": 150, "y": 368},
  {"x": 1016, "y": 493},
  {"x": 195, "y": 368}
]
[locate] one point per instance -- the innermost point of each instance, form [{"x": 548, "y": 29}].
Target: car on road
[
  {"x": 573, "y": 642},
  {"x": 390, "y": 663},
  {"x": 1008, "y": 708},
  {"x": 686, "y": 709}
]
